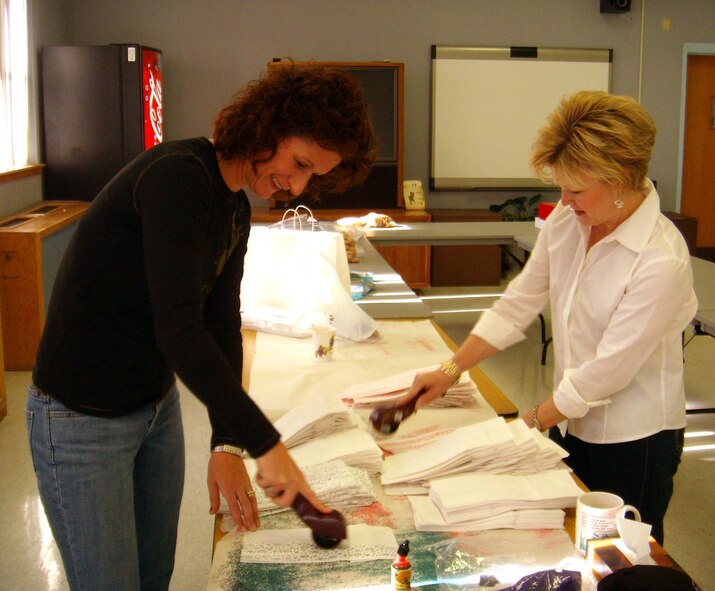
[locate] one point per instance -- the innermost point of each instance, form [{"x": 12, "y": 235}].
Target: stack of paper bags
[
  {"x": 338, "y": 485},
  {"x": 392, "y": 390},
  {"x": 354, "y": 446},
  {"x": 470, "y": 502},
  {"x": 492, "y": 446},
  {"x": 320, "y": 415}
]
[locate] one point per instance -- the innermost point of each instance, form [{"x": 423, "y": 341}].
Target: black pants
[{"x": 640, "y": 472}]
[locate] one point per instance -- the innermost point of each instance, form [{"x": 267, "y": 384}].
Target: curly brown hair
[{"x": 325, "y": 104}]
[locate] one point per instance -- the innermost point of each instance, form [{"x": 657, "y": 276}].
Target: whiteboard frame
[{"x": 486, "y": 145}]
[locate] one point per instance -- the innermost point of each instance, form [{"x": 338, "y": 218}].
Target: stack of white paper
[
  {"x": 355, "y": 447},
  {"x": 492, "y": 446},
  {"x": 392, "y": 390},
  {"x": 469, "y": 497},
  {"x": 428, "y": 518},
  {"x": 320, "y": 415},
  {"x": 338, "y": 485},
  {"x": 460, "y": 450},
  {"x": 532, "y": 452},
  {"x": 406, "y": 439}
]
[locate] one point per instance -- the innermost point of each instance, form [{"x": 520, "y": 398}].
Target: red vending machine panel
[{"x": 153, "y": 110}]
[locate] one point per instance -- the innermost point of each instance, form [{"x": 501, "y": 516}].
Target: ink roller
[
  {"x": 328, "y": 528},
  {"x": 386, "y": 420}
]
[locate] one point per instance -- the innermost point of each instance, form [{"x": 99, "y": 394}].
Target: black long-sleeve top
[{"x": 148, "y": 289}]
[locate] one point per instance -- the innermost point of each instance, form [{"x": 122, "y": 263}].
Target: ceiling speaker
[{"x": 615, "y": 6}]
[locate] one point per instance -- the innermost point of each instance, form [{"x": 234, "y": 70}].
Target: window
[{"x": 14, "y": 99}]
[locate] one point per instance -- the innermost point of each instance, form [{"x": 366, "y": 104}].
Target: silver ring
[{"x": 251, "y": 493}]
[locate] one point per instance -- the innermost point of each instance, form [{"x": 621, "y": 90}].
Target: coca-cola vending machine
[{"x": 102, "y": 106}]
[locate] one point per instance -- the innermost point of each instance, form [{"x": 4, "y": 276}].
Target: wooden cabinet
[
  {"x": 466, "y": 265},
  {"x": 382, "y": 85},
  {"x": 32, "y": 243},
  {"x": 3, "y": 397},
  {"x": 412, "y": 263}
]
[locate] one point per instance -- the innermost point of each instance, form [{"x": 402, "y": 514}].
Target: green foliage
[{"x": 518, "y": 209}]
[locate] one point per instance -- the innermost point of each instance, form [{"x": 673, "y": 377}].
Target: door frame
[{"x": 688, "y": 50}]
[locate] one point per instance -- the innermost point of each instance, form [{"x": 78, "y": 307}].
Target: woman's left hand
[{"x": 227, "y": 475}]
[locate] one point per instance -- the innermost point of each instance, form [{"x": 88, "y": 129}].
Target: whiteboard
[{"x": 489, "y": 102}]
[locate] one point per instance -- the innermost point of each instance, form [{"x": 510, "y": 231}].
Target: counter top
[{"x": 450, "y": 233}]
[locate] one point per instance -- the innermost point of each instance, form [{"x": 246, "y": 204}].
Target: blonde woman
[{"x": 617, "y": 276}]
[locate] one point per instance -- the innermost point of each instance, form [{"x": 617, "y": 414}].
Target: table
[
  {"x": 704, "y": 284},
  {"x": 392, "y": 511},
  {"x": 490, "y": 392},
  {"x": 706, "y": 321},
  {"x": 451, "y": 233},
  {"x": 388, "y": 511},
  {"x": 411, "y": 262},
  {"x": 391, "y": 298}
]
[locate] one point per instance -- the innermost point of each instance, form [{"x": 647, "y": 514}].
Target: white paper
[
  {"x": 403, "y": 346},
  {"x": 392, "y": 389},
  {"x": 428, "y": 518},
  {"x": 490, "y": 446},
  {"x": 364, "y": 542},
  {"x": 338, "y": 485},
  {"x": 476, "y": 496},
  {"x": 317, "y": 416},
  {"x": 355, "y": 447}
]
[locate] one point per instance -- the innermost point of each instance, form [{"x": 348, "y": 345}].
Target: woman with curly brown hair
[{"x": 148, "y": 290}]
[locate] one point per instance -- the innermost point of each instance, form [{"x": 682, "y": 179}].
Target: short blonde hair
[{"x": 609, "y": 137}]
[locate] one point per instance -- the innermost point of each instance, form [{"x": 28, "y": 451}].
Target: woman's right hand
[
  {"x": 432, "y": 385},
  {"x": 281, "y": 479}
]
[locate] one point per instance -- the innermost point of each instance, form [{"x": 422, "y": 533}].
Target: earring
[{"x": 618, "y": 202}]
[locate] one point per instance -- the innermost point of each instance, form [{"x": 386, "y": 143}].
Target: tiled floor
[{"x": 29, "y": 560}]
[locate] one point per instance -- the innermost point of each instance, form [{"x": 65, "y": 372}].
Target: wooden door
[{"x": 698, "y": 188}]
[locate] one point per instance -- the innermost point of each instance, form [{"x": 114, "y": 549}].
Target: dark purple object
[
  {"x": 328, "y": 528},
  {"x": 386, "y": 420}
]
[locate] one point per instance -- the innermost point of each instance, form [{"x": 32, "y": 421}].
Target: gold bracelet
[
  {"x": 534, "y": 420},
  {"x": 229, "y": 449},
  {"x": 451, "y": 370}
]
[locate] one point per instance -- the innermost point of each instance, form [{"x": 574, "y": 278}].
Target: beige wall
[
  {"x": 19, "y": 194},
  {"x": 212, "y": 48}
]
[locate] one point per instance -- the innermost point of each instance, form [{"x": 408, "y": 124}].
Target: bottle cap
[{"x": 404, "y": 548}]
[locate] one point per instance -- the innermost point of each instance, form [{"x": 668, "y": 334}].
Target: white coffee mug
[{"x": 596, "y": 517}]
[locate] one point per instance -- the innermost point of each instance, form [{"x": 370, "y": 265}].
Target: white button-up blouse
[{"x": 618, "y": 313}]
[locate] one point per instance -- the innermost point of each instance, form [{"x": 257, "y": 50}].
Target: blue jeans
[
  {"x": 111, "y": 489},
  {"x": 640, "y": 472}
]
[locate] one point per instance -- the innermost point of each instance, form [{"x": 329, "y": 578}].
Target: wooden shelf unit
[
  {"x": 412, "y": 263},
  {"x": 3, "y": 396},
  {"x": 464, "y": 264},
  {"x": 32, "y": 243}
]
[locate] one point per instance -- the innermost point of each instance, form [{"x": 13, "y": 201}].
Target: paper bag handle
[{"x": 297, "y": 220}]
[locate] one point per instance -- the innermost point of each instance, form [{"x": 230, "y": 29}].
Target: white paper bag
[{"x": 293, "y": 277}]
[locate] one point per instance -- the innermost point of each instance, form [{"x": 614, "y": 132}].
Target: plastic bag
[
  {"x": 549, "y": 580},
  {"x": 499, "y": 560}
]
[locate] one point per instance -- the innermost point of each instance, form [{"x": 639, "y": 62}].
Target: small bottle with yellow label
[{"x": 401, "y": 577}]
